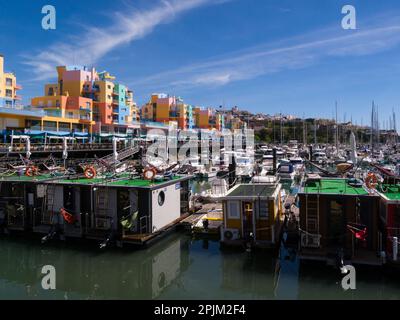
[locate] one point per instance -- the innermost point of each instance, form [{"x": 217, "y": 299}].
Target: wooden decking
[{"x": 209, "y": 211}]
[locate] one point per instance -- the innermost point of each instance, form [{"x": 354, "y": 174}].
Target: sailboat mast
[{"x": 337, "y": 128}]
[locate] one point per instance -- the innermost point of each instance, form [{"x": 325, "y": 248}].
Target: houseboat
[
  {"x": 18, "y": 196},
  {"x": 390, "y": 220},
  {"x": 120, "y": 209},
  {"x": 252, "y": 215},
  {"x": 339, "y": 221}
]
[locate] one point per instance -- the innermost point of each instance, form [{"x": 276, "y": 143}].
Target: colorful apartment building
[
  {"x": 165, "y": 109},
  {"x": 207, "y": 118},
  {"x": 8, "y": 87},
  {"x": 91, "y": 99},
  {"x": 12, "y": 114}
]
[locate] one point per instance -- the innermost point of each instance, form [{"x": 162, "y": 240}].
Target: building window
[
  {"x": 88, "y": 105},
  {"x": 63, "y": 126},
  {"x": 9, "y": 93},
  {"x": 70, "y": 115},
  {"x": 9, "y": 82},
  {"x": 263, "y": 213},
  {"x": 109, "y": 86},
  {"x": 108, "y": 97},
  {"x": 233, "y": 210},
  {"x": 8, "y": 103}
]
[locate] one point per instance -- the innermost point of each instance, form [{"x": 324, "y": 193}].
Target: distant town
[{"x": 87, "y": 103}]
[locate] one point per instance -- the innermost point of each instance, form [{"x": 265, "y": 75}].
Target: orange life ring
[
  {"x": 371, "y": 181},
  {"x": 149, "y": 173},
  {"x": 90, "y": 172},
  {"x": 67, "y": 216},
  {"x": 31, "y": 171}
]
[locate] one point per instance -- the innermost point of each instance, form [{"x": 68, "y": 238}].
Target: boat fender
[{"x": 68, "y": 217}]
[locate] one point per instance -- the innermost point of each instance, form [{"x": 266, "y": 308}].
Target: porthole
[{"x": 161, "y": 198}]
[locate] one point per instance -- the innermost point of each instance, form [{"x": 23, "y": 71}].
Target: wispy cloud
[
  {"x": 288, "y": 54},
  {"x": 96, "y": 42}
]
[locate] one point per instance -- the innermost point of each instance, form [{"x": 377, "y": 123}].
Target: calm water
[{"x": 178, "y": 267}]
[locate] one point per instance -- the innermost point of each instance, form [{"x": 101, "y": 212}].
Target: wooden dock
[{"x": 210, "y": 212}]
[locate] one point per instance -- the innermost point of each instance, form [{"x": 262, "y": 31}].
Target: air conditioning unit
[
  {"x": 230, "y": 234},
  {"x": 310, "y": 240}
]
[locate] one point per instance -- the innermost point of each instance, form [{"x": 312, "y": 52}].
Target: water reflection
[{"x": 178, "y": 267}]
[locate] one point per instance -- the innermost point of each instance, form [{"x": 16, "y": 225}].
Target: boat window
[
  {"x": 161, "y": 198},
  {"x": 263, "y": 213},
  {"x": 233, "y": 210}
]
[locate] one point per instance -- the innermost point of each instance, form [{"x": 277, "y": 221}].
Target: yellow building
[
  {"x": 8, "y": 88},
  {"x": 164, "y": 108},
  {"x": 12, "y": 115}
]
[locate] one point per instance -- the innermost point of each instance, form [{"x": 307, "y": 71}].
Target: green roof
[
  {"x": 138, "y": 182},
  {"x": 392, "y": 192},
  {"x": 121, "y": 181},
  {"x": 24, "y": 178},
  {"x": 332, "y": 186}
]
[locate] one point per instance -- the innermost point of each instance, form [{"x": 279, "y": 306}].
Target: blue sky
[{"x": 266, "y": 56}]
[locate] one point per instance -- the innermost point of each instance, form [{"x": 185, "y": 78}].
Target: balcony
[
  {"x": 85, "y": 109},
  {"x": 91, "y": 89},
  {"x": 115, "y": 93},
  {"x": 18, "y": 87},
  {"x": 53, "y": 113},
  {"x": 21, "y": 110},
  {"x": 85, "y": 119},
  {"x": 17, "y": 97},
  {"x": 115, "y": 102}
]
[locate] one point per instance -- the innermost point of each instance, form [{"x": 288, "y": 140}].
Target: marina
[{"x": 254, "y": 155}]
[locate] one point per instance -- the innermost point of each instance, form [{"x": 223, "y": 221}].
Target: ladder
[
  {"x": 312, "y": 220},
  {"x": 122, "y": 155},
  {"x": 48, "y": 204},
  {"x": 102, "y": 203}
]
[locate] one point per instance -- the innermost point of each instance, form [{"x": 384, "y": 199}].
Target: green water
[{"x": 178, "y": 267}]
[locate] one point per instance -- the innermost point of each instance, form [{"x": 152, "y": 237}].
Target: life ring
[
  {"x": 371, "y": 181},
  {"x": 149, "y": 173},
  {"x": 67, "y": 216},
  {"x": 31, "y": 171},
  {"x": 90, "y": 172}
]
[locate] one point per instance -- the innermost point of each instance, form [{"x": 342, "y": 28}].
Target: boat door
[
  {"x": 248, "y": 219},
  {"x": 336, "y": 223}
]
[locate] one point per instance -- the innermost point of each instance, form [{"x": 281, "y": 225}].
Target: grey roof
[{"x": 252, "y": 190}]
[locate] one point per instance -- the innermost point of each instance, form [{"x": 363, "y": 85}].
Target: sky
[{"x": 268, "y": 56}]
